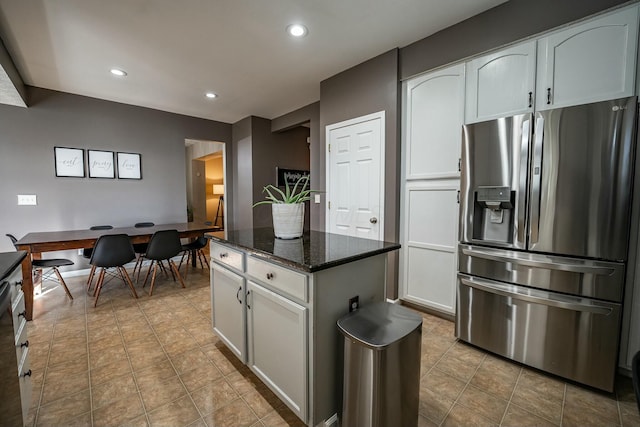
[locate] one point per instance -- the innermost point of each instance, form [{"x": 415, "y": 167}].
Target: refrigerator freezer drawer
[
  {"x": 581, "y": 277},
  {"x": 575, "y": 338}
]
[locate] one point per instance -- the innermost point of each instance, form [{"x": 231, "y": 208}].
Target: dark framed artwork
[
  {"x": 129, "y": 166},
  {"x": 289, "y": 176},
  {"x": 69, "y": 162},
  {"x": 101, "y": 164}
]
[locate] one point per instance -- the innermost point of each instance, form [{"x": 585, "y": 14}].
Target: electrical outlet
[
  {"x": 80, "y": 251},
  {"x": 27, "y": 199},
  {"x": 316, "y": 198},
  {"x": 354, "y": 303}
]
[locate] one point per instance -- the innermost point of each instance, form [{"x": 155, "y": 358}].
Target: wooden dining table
[{"x": 37, "y": 243}]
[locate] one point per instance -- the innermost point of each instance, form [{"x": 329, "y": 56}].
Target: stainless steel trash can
[{"x": 381, "y": 366}]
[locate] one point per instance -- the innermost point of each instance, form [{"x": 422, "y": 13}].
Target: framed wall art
[
  {"x": 69, "y": 162},
  {"x": 129, "y": 166},
  {"x": 101, "y": 164},
  {"x": 289, "y": 176}
]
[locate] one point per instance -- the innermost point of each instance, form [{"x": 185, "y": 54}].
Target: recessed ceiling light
[
  {"x": 210, "y": 95},
  {"x": 118, "y": 72},
  {"x": 297, "y": 30}
]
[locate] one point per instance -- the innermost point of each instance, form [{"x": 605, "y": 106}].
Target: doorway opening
[{"x": 206, "y": 182}]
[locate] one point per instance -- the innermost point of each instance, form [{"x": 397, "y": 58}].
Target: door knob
[{"x": 373, "y": 220}]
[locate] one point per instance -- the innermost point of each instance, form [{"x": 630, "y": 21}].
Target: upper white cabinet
[
  {"x": 501, "y": 84},
  {"x": 435, "y": 109},
  {"x": 588, "y": 62}
]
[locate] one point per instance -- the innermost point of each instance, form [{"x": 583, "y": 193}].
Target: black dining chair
[
  {"x": 140, "y": 249},
  {"x": 163, "y": 245},
  {"x": 194, "y": 251},
  {"x": 47, "y": 269},
  {"x": 635, "y": 375},
  {"x": 112, "y": 251},
  {"x": 86, "y": 252}
]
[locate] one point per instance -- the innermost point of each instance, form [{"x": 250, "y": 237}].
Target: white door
[
  {"x": 501, "y": 83},
  {"x": 433, "y": 125},
  {"x": 589, "y": 62},
  {"x": 227, "y": 304},
  {"x": 278, "y": 345},
  {"x": 355, "y": 177}
]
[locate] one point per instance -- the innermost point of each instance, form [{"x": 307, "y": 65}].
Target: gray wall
[
  {"x": 310, "y": 114},
  {"x": 239, "y": 215},
  {"x": 506, "y": 23},
  {"x": 59, "y": 119},
  {"x": 364, "y": 89}
]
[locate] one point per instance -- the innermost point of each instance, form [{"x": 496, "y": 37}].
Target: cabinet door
[
  {"x": 588, "y": 62},
  {"x": 501, "y": 84},
  {"x": 228, "y": 309},
  {"x": 278, "y": 345},
  {"x": 429, "y": 243},
  {"x": 433, "y": 124}
]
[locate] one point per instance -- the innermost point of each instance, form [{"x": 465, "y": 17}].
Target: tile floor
[{"x": 155, "y": 361}]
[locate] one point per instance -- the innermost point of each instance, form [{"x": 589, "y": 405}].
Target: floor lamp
[{"x": 218, "y": 190}]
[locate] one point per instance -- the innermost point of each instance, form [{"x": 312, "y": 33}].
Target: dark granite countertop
[
  {"x": 314, "y": 251},
  {"x": 9, "y": 261}
]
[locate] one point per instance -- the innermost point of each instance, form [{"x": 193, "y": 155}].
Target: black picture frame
[
  {"x": 129, "y": 165},
  {"x": 290, "y": 176},
  {"x": 101, "y": 164},
  {"x": 69, "y": 162}
]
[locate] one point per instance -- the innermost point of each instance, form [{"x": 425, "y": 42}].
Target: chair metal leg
[
  {"x": 184, "y": 253},
  {"x": 64, "y": 285},
  {"x": 204, "y": 256},
  {"x": 146, "y": 277}
]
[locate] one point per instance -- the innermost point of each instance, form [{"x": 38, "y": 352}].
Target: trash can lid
[{"x": 380, "y": 324}]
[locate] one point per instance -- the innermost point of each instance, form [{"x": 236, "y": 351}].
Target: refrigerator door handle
[
  {"x": 548, "y": 264},
  {"x": 535, "y": 296},
  {"x": 522, "y": 190},
  {"x": 536, "y": 178}
]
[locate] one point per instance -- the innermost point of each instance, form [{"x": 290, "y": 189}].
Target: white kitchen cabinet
[
  {"x": 228, "y": 309},
  {"x": 435, "y": 110},
  {"x": 430, "y": 255},
  {"x": 276, "y": 322},
  {"x": 434, "y": 115},
  {"x": 501, "y": 83},
  {"x": 588, "y": 62}
]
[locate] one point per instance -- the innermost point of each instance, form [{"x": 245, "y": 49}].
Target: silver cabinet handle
[
  {"x": 238, "y": 295},
  {"x": 224, "y": 255},
  {"x": 534, "y": 296},
  {"x": 373, "y": 220},
  {"x": 536, "y": 179}
]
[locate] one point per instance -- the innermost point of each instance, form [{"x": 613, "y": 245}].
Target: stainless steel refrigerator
[{"x": 544, "y": 221}]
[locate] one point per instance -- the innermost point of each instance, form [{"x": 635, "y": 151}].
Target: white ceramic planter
[{"x": 288, "y": 220}]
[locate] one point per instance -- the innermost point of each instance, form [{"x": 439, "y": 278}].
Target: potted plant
[{"x": 287, "y": 207}]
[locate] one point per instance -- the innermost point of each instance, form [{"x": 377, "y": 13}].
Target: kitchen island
[{"x": 275, "y": 304}]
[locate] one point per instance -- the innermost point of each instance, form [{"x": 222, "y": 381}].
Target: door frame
[{"x": 380, "y": 115}]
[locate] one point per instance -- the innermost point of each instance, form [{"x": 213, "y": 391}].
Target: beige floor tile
[
  {"x": 154, "y": 374},
  {"x": 180, "y": 412},
  {"x": 461, "y": 361},
  {"x": 64, "y": 354},
  {"x": 104, "y": 342},
  {"x": 161, "y": 393},
  {"x": 483, "y": 404},
  {"x": 235, "y": 414},
  {"x": 222, "y": 357},
  {"x": 61, "y": 383},
  {"x": 118, "y": 412},
  {"x": 462, "y": 416},
  {"x": 60, "y": 411},
  {"x": 516, "y": 416},
  {"x": 113, "y": 390},
  {"x": 629, "y": 414},
  {"x": 433, "y": 348},
  {"x": 214, "y": 396},
  {"x": 497, "y": 377},
  {"x": 83, "y": 420},
  {"x": 190, "y": 360},
  {"x": 145, "y": 360},
  {"x": 585, "y": 407},
  {"x": 102, "y": 331},
  {"x": 196, "y": 379},
  {"x": 107, "y": 356},
  {"x": 539, "y": 394},
  {"x": 262, "y": 402}
]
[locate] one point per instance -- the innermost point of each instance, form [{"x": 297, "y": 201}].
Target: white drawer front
[
  {"x": 18, "y": 311},
  {"x": 288, "y": 281},
  {"x": 22, "y": 343},
  {"x": 226, "y": 255}
]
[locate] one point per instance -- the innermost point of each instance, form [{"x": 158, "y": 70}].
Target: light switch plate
[
  {"x": 316, "y": 198},
  {"x": 27, "y": 199}
]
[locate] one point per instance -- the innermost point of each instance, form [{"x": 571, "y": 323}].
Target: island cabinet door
[
  {"x": 228, "y": 309},
  {"x": 278, "y": 345}
]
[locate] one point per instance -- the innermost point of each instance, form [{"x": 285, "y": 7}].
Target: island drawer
[
  {"x": 226, "y": 255},
  {"x": 279, "y": 278}
]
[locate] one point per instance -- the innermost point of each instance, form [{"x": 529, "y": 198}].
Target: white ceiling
[{"x": 174, "y": 51}]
